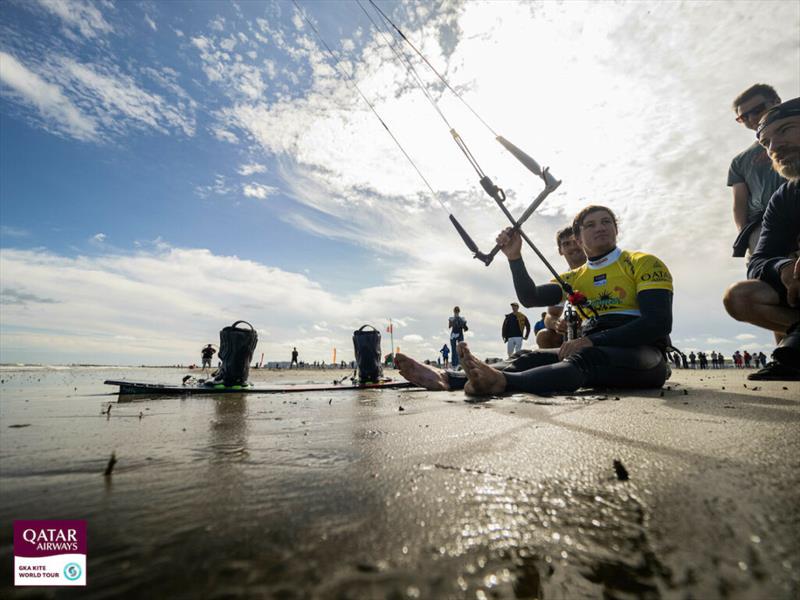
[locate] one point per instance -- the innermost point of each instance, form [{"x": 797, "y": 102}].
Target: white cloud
[
  {"x": 236, "y": 77},
  {"x": 250, "y": 169},
  {"x": 120, "y": 103},
  {"x": 99, "y": 237},
  {"x": 83, "y": 16},
  {"x": 218, "y": 23},
  {"x": 220, "y": 187},
  {"x": 745, "y": 336},
  {"x": 228, "y": 43},
  {"x": 150, "y": 22},
  {"x": 297, "y": 21},
  {"x": 57, "y": 110},
  {"x": 755, "y": 347},
  {"x": 258, "y": 190},
  {"x": 413, "y": 337},
  {"x": 171, "y": 298},
  {"x": 224, "y": 135}
]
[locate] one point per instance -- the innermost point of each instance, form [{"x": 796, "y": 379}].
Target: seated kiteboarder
[{"x": 622, "y": 344}]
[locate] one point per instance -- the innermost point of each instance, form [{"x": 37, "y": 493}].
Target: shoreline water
[{"x": 345, "y": 495}]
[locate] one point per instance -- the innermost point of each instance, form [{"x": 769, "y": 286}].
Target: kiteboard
[{"x": 156, "y": 389}]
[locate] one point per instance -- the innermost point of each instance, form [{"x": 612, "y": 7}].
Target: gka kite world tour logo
[{"x": 50, "y": 553}]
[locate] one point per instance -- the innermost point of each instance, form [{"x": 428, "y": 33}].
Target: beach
[{"x": 691, "y": 491}]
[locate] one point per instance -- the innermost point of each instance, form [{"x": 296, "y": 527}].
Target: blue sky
[
  {"x": 169, "y": 167},
  {"x": 141, "y": 177}
]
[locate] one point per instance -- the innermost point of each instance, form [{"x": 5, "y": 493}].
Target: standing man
[
  {"x": 457, "y": 325},
  {"x": 751, "y": 175},
  {"x": 515, "y": 327},
  {"x": 552, "y": 336},
  {"x": 206, "y": 354},
  {"x": 294, "y": 359},
  {"x": 771, "y": 297},
  {"x": 445, "y": 352}
]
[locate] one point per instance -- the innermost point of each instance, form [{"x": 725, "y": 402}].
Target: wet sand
[{"x": 345, "y": 495}]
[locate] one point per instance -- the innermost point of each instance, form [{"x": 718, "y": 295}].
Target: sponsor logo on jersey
[
  {"x": 657, "y": 276},
  {"x": 600, "y": 279}
]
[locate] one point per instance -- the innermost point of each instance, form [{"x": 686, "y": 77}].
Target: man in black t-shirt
[{"x": 206, "y": 354}]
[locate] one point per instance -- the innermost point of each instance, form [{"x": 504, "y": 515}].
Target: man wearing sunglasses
[
  {"x": 751, "y": 174},
  {"x": 770, "y": 298}
]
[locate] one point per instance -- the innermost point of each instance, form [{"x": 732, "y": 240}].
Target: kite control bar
[
  {"x": 576, "y": 298},
  {"x": 499, "y": 196}
]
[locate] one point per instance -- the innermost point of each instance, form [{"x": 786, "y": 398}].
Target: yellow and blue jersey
[{"x": 612, "y": 282}]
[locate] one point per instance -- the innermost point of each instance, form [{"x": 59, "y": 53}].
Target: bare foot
[
  {"x": 484, "y": 380},
  {"x": 421, "y": 375}
]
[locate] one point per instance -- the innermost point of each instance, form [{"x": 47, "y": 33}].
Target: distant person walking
[
  {"x": 693, "y": 359},
  {"x": 445, "y": 352},
  {"x": 516, "y": 327},
  {"x": 294, "y": 359},
  {"x": 457, "y": 325},
  {"x": 747, "y": 358},
  {"x": 206, "y": 354}
]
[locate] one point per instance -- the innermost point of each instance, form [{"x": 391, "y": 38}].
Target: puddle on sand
[{"x": 512, "y": 539}]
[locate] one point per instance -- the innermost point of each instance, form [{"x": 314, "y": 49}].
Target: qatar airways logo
[
  {"x": 51, "y": 553},
  {"x": 52, "y": 539}
]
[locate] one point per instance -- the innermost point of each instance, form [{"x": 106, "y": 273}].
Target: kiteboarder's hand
[
  {"x": 573, "y": 346},
  {"x": 510, "y": 243},
  {"x": 561, "y": 326},
  {"x": 790, "y": 277}
]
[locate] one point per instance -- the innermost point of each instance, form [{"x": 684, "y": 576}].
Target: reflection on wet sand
[{"x": 347, "y": 496}]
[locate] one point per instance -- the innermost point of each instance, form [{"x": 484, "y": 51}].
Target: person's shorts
[{"x": 751, "y": 244}]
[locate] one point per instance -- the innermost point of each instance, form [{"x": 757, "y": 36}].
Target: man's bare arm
[{"x": 741, "y": 196}]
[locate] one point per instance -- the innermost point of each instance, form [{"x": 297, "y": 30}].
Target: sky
[{"x": 168, "y": 168}]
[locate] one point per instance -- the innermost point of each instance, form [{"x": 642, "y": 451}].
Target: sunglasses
[{"x": 752, "y": 112}]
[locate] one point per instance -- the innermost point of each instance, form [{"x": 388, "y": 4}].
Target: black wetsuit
[{"x": 628, "y": 350}]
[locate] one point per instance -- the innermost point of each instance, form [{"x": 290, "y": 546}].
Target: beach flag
[
  {"x": 334, "y": 355},
  {"x": 390, "y": 329}
]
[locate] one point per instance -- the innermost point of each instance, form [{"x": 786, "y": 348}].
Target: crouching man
[{"x": 770, "y": 298}]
